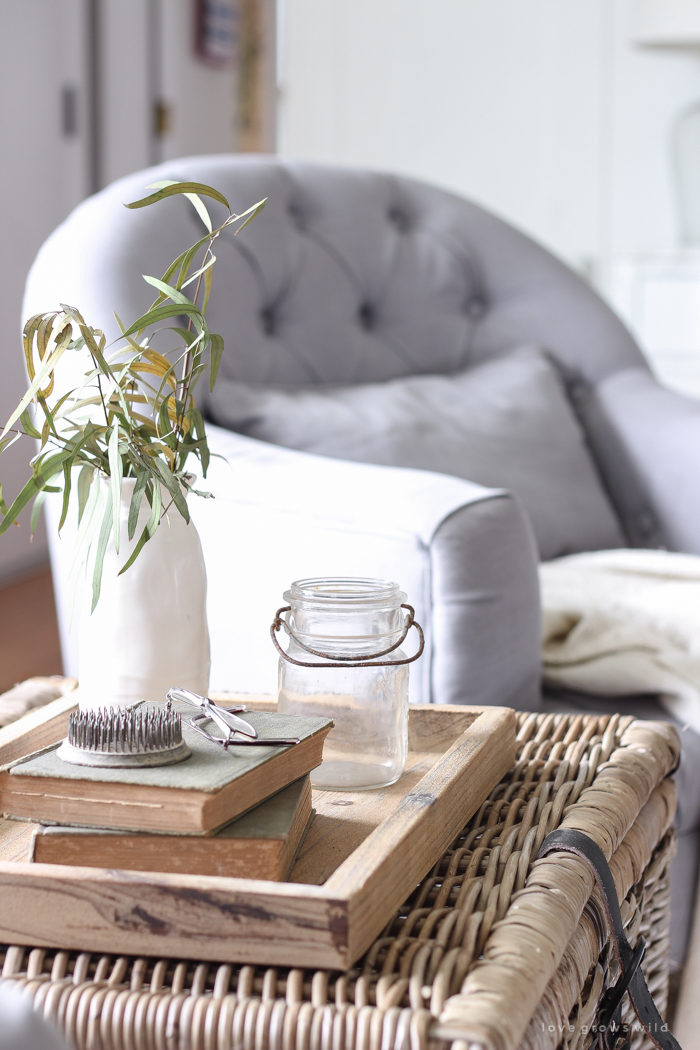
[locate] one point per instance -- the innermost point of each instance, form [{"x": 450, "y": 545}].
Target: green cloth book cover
[{"x": 200, "y": 794}]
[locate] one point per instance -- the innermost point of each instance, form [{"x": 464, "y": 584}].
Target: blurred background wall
[
  {"x": 560, "y": 115},
  {"x": 543, "y": 111},
  {"x": 91, "y": 90}
]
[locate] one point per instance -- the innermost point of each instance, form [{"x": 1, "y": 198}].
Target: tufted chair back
[
  {"x": 347, "y": 276},
  {"x": 352, "y": 276}
]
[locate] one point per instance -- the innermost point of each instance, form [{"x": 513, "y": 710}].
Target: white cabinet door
[
  {"x": 44, "y": 173},
  {"x": 81, "y": 86}
]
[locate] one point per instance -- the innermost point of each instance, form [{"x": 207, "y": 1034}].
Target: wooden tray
[{"x": 364, "y": 855}]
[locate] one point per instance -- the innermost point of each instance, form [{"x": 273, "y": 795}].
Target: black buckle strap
[
  {"x": 610, "y": 1016},
  {"x": 631, "y": 979}
]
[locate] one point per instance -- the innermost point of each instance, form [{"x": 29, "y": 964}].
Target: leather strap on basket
[{"x": 631, "y": 979}]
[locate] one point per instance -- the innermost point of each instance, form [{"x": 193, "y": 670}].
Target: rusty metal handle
[{"x": 355, "y": 659}]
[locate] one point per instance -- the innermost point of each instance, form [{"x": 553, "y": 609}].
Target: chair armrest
[
  {"x": 647, "y": 443},
  {"x": 464, "y": 554}
]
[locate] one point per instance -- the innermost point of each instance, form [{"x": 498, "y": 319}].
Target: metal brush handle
[
  {"x": 227, "y": 721},
  {"x": 231, "y": 741}
]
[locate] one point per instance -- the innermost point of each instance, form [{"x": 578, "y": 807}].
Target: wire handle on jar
[{"x": 353, "y": 660}]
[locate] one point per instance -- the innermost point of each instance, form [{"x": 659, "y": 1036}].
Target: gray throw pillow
[{"x": 506, "y": 423}]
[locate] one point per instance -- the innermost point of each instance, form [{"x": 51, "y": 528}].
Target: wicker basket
[{"x": 492, "y": 949}]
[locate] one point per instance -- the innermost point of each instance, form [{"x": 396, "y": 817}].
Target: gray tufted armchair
[
  {"x": 354, "y": 277},
  {"x": 351, "y": 277}
]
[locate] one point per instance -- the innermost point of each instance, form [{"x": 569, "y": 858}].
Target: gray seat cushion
[{"x": 505, "y": 423}]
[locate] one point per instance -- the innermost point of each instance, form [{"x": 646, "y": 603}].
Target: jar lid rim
[{"x": 350, "y": 590}]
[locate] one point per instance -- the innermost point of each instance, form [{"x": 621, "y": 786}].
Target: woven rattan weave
[{"x": 491, "y": 949}]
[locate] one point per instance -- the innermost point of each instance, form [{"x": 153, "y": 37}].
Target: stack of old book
[{"x": 240, "y": 812}]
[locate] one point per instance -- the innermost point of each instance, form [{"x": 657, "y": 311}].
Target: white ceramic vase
[{"x": 149, "y": 629}]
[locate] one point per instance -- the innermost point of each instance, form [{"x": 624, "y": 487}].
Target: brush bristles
[{"x": 125, "y": 732}]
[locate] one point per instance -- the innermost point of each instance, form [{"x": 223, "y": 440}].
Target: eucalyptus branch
[
  {"x": 187, "y": 366},
  {"x": 154, "y": 448}
]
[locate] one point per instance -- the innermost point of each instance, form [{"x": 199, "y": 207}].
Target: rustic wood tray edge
[{"x": 239, "y": 920}]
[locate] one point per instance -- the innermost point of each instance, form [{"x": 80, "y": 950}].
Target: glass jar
[{"x": 344, "y": 636}]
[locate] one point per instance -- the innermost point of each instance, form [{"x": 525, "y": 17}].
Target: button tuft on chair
[
  {"x": 399, "y": 218},
  {"x": 475, "y": 308},
  {"x": 296, "y": 214},
  {"x": 267, "y": 320},
  {"x": 647, "y": 524},
  {"x": 366, "y": 316}
]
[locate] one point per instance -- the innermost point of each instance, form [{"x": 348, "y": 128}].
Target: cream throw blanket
[{"x": 625, "y": 621}]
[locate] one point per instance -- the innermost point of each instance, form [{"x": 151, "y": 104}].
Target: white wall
[
  {"x": 647, "y": 90},
  {"x": 542, "y": 110}
]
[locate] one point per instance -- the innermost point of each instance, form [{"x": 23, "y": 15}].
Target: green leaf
[
  {"x": 151, "y": 526},
  {"x": 85, "y": 534},
  {"x": 166, "y": 428},
  {"x": 36, "y": 510},
  {"x": 60, "y": 408},
  {"x": 46, "y": 369},
  {"x": 178, "y": 263},
  {"x": 197, "y": 371},
  {"x": 160, "y": 314},
  {"x": 29, "y": 428},
  {"x": 95, "y": 347},
  {"x": 85, "y": 479},
  {"x": 132, "y": 342},
  {"x": 201, "y": 209},
  {"x": 67, "y": 468},
  {"x": 198, "y": 492},
  {"x": 184, "y": 261},
  {"x": 11, "y": 515},
  {"x": 187, "y": 336},
  {"x": 44, "y": 334},
  {"x": 173, "y": 487},
  {"x": 168, "y": 290},
  {"x": 6, "y": 442},
  {"x": 180, "y": 187},
  {"x": 38, "y": 481},
  {"x": 217, "y": 349},
  {"x": 115, "y": 484},
  {"x": 29, "y": 331},
  {"x": 198, "y": 273},
  {"x": 199, "y": 428},
  {"x": 136, "y": 499},
  {"x": 105, "y": 530},
  {"x": 207, "y": 289},
  {"x": 251, "y": 213},
  {"x": 48, "y": 466}
]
